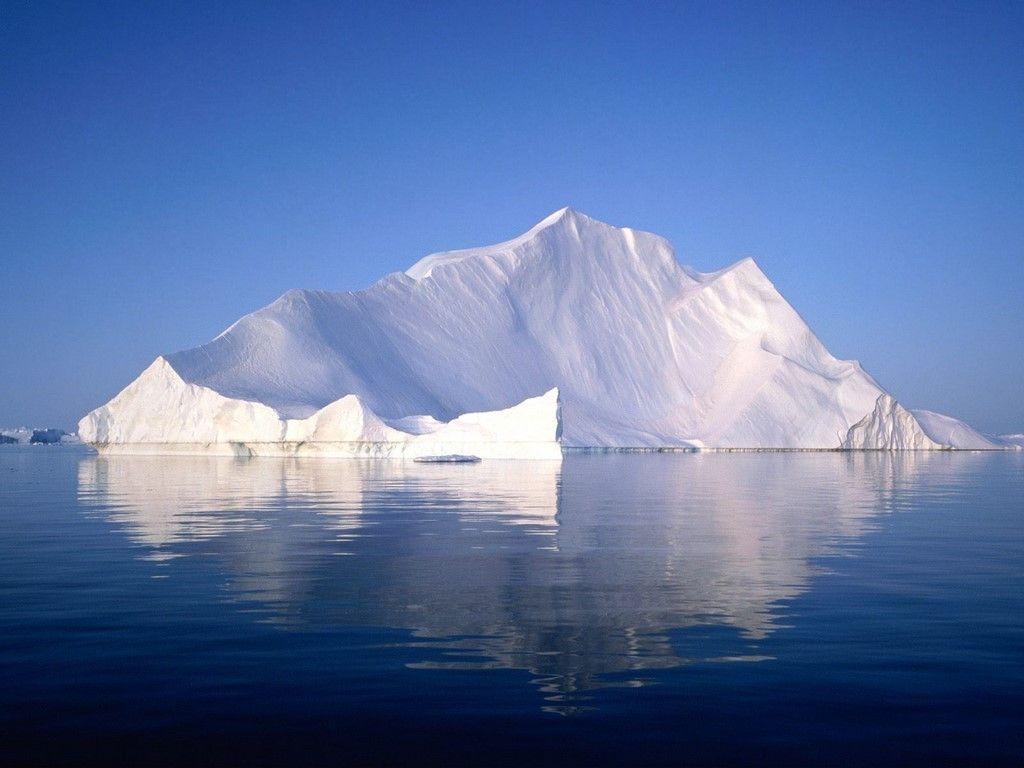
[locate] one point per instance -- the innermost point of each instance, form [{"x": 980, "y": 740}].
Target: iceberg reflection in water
[{"x": 582, "y": 572}]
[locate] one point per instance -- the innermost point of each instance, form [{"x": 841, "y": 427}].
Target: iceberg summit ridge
[{"x": 576, "y": 334}]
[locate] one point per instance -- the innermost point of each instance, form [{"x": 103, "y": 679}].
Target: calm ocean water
[{"x": 846, "y": 609}]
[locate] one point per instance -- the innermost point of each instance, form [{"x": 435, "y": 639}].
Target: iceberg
[
  {"x": 15, "y": 435},
  {"x": 575, "y": 334},
  {"x": 42, "y": 436}
]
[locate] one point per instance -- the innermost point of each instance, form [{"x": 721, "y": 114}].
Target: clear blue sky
[{"x": 165, "y": 168}]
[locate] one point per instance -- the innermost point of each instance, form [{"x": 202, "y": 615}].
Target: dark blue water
[{"x": 706, "y": 609}]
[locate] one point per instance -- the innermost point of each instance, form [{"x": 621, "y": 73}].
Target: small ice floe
[{"x": 450, "y": 458}]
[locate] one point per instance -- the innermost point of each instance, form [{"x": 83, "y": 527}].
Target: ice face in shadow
[{"x": 583, "y": 573}]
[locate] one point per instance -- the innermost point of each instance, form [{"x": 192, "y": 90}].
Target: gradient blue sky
[{"x": 167, "y": 167}]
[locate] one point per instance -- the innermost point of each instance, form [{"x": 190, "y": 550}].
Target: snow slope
[
  {"x": 644, "y": 353},
  {"x": 950, "y": 431}
]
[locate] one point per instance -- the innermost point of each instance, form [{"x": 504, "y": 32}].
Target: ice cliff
[{"x": 889, "y": 425}]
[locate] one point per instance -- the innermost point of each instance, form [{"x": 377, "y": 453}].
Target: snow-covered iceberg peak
[
  {"x": 564, "y": 224},
  {"x": 643, "y": 352}
]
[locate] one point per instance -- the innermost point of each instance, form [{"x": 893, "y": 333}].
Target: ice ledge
[
  {"x": 950, "y": 431},
  {"x": 160, "y": 412}
]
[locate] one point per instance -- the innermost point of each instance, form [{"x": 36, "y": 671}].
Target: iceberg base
[{"x": 548, "y": 451}]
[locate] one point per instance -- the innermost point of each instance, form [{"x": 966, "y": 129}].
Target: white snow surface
[{"x": 643, "y": 352}]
